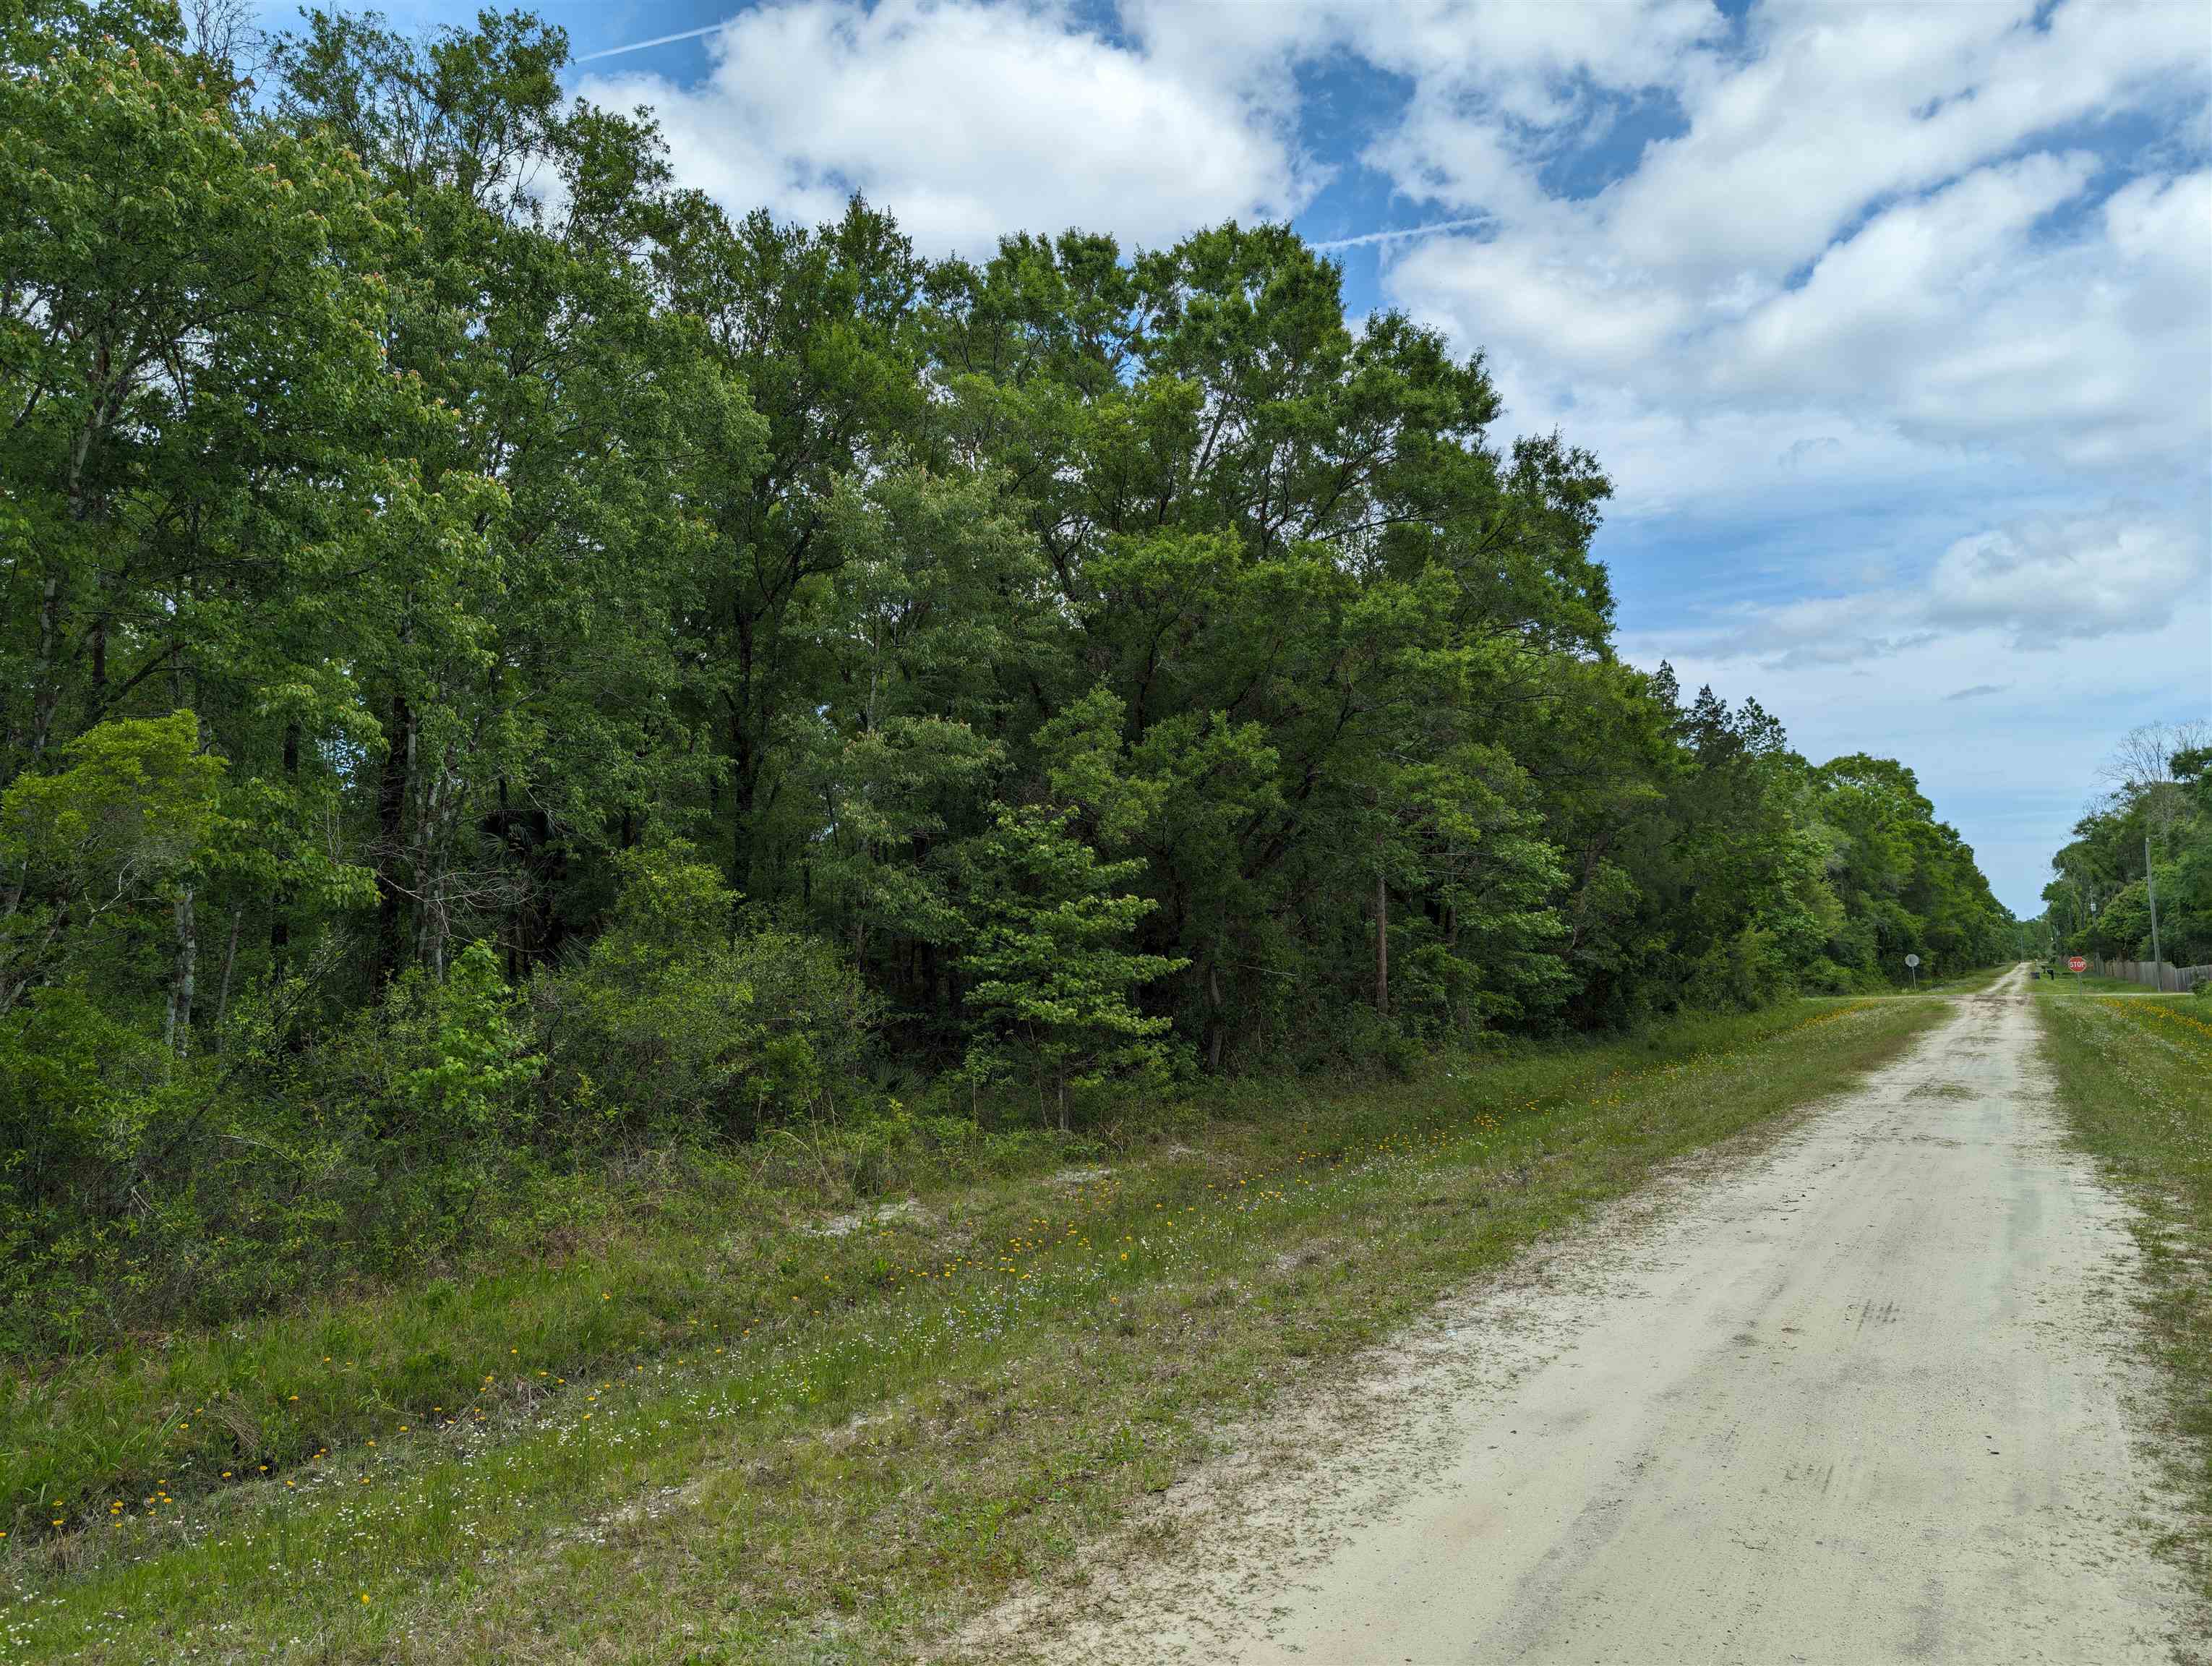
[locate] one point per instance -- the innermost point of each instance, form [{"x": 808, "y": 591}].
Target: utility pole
[{"x": 2150, "y": 889}]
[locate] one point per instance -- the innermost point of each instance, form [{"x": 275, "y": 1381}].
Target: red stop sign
[{"x": 2075, "y": 963}]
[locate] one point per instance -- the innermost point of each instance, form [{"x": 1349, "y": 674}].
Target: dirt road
[{"x": 1858, "y": 1399}]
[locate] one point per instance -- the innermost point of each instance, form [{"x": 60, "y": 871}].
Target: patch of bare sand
[{"x": 1847, "y": 1393}]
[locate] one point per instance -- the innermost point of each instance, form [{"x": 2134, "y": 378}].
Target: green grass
[
  {"x": 773, "y": 1444},
  {"x": 2135, "y": 1080},
  {"x": 2087, "y": 983}
]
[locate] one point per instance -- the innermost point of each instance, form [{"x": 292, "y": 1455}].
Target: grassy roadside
[
  {"x": 2087, "y": 983},
  {"x": 818, "y": 1441},
  {"x": 2135, "y": 1080}
]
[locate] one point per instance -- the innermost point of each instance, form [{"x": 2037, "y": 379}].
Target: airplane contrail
[
  {"x": 1366, "y": 238},
  {"x": 658, "y": 41}
]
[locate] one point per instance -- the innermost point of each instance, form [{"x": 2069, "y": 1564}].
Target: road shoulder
[
  {"x": 2133, "y": 1081},
  {"x": 1195, "y": 1573}
]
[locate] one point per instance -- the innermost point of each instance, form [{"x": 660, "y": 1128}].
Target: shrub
[
  {"x": 1742, "y": 974},
  {"x": 143, "y": 1189},
  {"x": 676, "y": 1018}
]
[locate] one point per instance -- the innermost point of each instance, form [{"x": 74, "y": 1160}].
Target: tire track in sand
[{"x": 1853, "y": 1399}]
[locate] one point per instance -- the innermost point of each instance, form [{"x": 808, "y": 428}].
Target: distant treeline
[
  {"x": 496, "y": 654},
  {"x": 2156, "y": 808}
]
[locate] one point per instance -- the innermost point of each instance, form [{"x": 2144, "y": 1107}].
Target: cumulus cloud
[
  {"x": 2032, "y": 587},
  {"x": 1878, "y": 229},
  {"x": 1790, "y": 130},
  {"x": 969, "y": 119},
  {"x": 1833, "y": 108},
  {"x": 1957, "y": 317},
  {"x": 1876, "y": 303},
  {"x": 1882, "y": 220},
  {"x": 2042, "y": 584}
]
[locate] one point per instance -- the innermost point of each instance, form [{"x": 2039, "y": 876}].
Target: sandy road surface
[{"x": 1857, "y": 1399}]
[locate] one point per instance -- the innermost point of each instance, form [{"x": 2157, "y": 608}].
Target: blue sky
[{"x": 1892, "y": 324}]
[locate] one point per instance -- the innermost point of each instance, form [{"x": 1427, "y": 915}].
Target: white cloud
[
  {"x": 1854, "y": 237},
  {"x": 968, "y": 120},
  {"x": 1532, "y": 62},
  {"x": 2044, "y": 584},
  {"x": 1955, "y": 319},
  {"x": 1554, "y": 301},
  {"x": 2034, "y": 585},
  {"x": 1821, "y": 110},
  {"x": 1881, "y": 295}
]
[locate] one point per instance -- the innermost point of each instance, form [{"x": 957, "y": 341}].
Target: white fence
[{"x": 2154, "y": 974}]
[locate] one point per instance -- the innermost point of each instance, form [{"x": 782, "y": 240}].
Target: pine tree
[{"x": 1054, "y": 973}]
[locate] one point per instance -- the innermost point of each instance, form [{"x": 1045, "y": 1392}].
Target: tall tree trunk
[
  {"x": 744, "y": 784},
  {"x": 177, "y": 1031},
  {"x": 1215, "y": 1025},
  {"x": 434, "y": 829},
  {"x": 47, "y": 693},
  {"x": 230, "y": 963},
  {"x": 84, "y": 506},
  {"x": 183, "y": 980},
  {"x": 518, "y": 910},
  {"x": 1381, "y": 933},
  {"x": 280, "y": 918},
  {"x": 744, "y": 766},
  {"x": 390, "y": 836}
]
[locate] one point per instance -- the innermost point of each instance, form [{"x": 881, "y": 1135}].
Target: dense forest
[
  {"x": 501, "y": 661},
  {"x": 2149, "y": 831}
]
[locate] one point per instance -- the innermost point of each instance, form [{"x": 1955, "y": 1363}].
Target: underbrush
[
  {"x": 315, "y": 1143},
  {"x": 1962, "y": 983},
  {"x": 1026, "y": 1331}
]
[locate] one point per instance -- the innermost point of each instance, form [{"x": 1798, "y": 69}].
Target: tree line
[
  {"x": 499, "y": 654},
  {"x": 2148, "y": 832}
]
